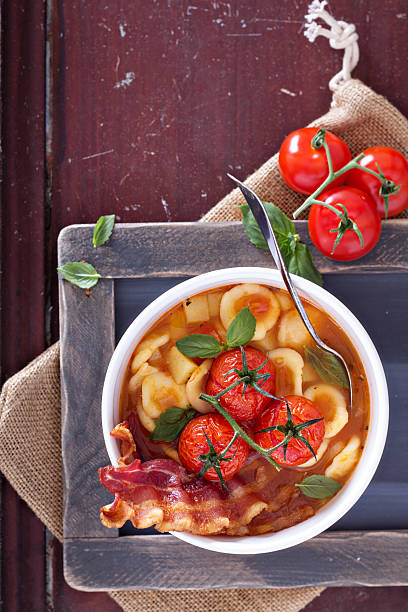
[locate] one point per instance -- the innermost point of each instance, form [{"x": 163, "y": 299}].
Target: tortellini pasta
[
  {"x": 171, "y": 452},
  {"x": 268, "y": 343},
  {"x": 159, "y": 392},
  {"x": 136, "y": 381},
  {"x": 292, "y": 331},
  {"x": 345, "y": 461},
  {"x": 284, "y": 299},
  {"x": 289, "y": 365},
  {"x": 147, "y": 422},
  {"x": 331, "y": 403},
  {"x": 309, "y": 373},
  {"x": 195, "y": 386},
  {"x": 261, "y": 301},
  {"x": 147, "y": 347}
]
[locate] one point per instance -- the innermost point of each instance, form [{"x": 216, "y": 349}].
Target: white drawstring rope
[{"x": 341, "y": 35}]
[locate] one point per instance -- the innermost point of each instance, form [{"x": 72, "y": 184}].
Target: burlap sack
[
  {"x": 30, "y": 456},
  {"x": 358, "y": 115}
]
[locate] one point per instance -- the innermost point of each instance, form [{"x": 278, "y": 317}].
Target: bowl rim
[{"x": 378, "y": 424}]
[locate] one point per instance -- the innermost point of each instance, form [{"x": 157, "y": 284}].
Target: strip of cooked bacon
[
  {"x": 128, "y": 449},
  {"x": 161, "y": 492}
]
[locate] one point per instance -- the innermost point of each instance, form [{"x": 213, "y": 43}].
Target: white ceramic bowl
[{"x": 377, "y": 431}]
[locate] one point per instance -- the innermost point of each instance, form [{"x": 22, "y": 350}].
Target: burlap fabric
[
  {"x": 30, "y": 456},
  {"x": 358, "y": 115}
]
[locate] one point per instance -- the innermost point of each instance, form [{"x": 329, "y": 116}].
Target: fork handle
[{"x": 262, "y": 218}]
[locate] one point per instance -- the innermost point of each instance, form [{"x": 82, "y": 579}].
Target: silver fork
[{"x": 265, "y": 226}]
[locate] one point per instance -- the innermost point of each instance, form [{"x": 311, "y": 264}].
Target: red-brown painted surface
[{"x": 150, "y": 104}]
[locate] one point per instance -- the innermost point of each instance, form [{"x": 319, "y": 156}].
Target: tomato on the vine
[
  {"x": 302, "y": 410},
  {"x": 193, "y": 443},
  {"x": 324, "y": 223},
  {"x": 394, "y": 166},
  {"x": 249, "y": 405},
  {"x": 303, "y": 167}
]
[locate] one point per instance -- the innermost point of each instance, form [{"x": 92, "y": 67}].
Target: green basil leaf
[
  {"x": 319, "y": 487},
  {"x": 171, "y": 423},
  {"x": 103, "y": 229},
  {"x": 80, "y": 273},
  {"x": 301, "y": 263},
  {"x": 296, "y": 255},
  {"x": 282, "y": 225},
  {"x": 199, "y": 345},
  {"x": 241, "y": 330},
  {"x": 329, "y": 368}
]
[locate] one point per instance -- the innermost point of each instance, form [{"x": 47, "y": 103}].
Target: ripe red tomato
[
  {"x": 193, "y": 443},
  {"x": 395, "y": 168},
  {"x": 361, "y": 209},
  {"x": 247, "y": 406},
  {"x": 302, "y": 410},
  {"x": 304, "y": 168}
]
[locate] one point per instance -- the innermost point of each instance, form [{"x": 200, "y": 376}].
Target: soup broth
[{"x": 158, "y": 376}]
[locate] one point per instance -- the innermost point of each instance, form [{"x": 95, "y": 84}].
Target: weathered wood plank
[
  {"x": 133, "y": 252},
  {"x": 183, "y": 249},
  {"x": 87, "y": 343},
  {"x": 346, "y": 558},
  {"x": 172, "y": 138},
  {"x": 22, "y": 575}
]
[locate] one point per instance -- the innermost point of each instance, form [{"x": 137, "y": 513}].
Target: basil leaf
[
  {"x": 80, "y": 273},
  {"x": 241, "y": 330},
  {"x": 329, "y": 368},
  {"x": 296, "y": 255},
  {"x": 301, "y": 263},
  {"x": 103, "y": 229},
  {"x": 319, "y": 487},
  {"x": 171, "y": 423},
  {"x": 281, "y": 224},
  {"x": 199, "y": 345}
]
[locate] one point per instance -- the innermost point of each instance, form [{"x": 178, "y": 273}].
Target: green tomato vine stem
[
  {"x": 213, "y": 400},
  {"x": 320, "y": 140}
]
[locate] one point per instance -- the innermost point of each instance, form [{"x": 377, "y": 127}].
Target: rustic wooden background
[{"x": 139, "y": 108}]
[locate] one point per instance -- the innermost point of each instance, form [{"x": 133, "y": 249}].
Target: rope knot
[{"x": 341, "y": 35}]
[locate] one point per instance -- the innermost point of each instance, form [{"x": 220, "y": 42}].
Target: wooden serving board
[{"x": 369, "y": 546}]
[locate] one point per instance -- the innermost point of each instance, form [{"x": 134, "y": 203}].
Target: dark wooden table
[{"x": 140, "y": 108}]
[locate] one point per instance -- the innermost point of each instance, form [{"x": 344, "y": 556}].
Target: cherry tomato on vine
[
  {"x": 252, "y": 402},
  {"x": 302, "y": 410},
  {"x": 394, "y": 166},
  {"x": 303, "y": 167},
  {"x": 361, "y": 210},
  {"x": 193, "y": 443}
]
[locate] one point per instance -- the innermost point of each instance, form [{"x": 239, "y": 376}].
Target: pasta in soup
[{"x": 232, "y": 420}]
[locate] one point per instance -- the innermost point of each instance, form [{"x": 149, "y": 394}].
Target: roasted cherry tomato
[
  {"x": 247, "y": 406},
  {"x": 360, "y": 208},
  {"x": 394, "y": 167},
  {"x": 303, "y": 167},
  {"x": 193, "y": 443},
  {"x": 302, "y": 410}
]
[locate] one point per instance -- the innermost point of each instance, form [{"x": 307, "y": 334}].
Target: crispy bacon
[
  {"x": 127, "y": 444},
  {"x": 161, "y": 492}
]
